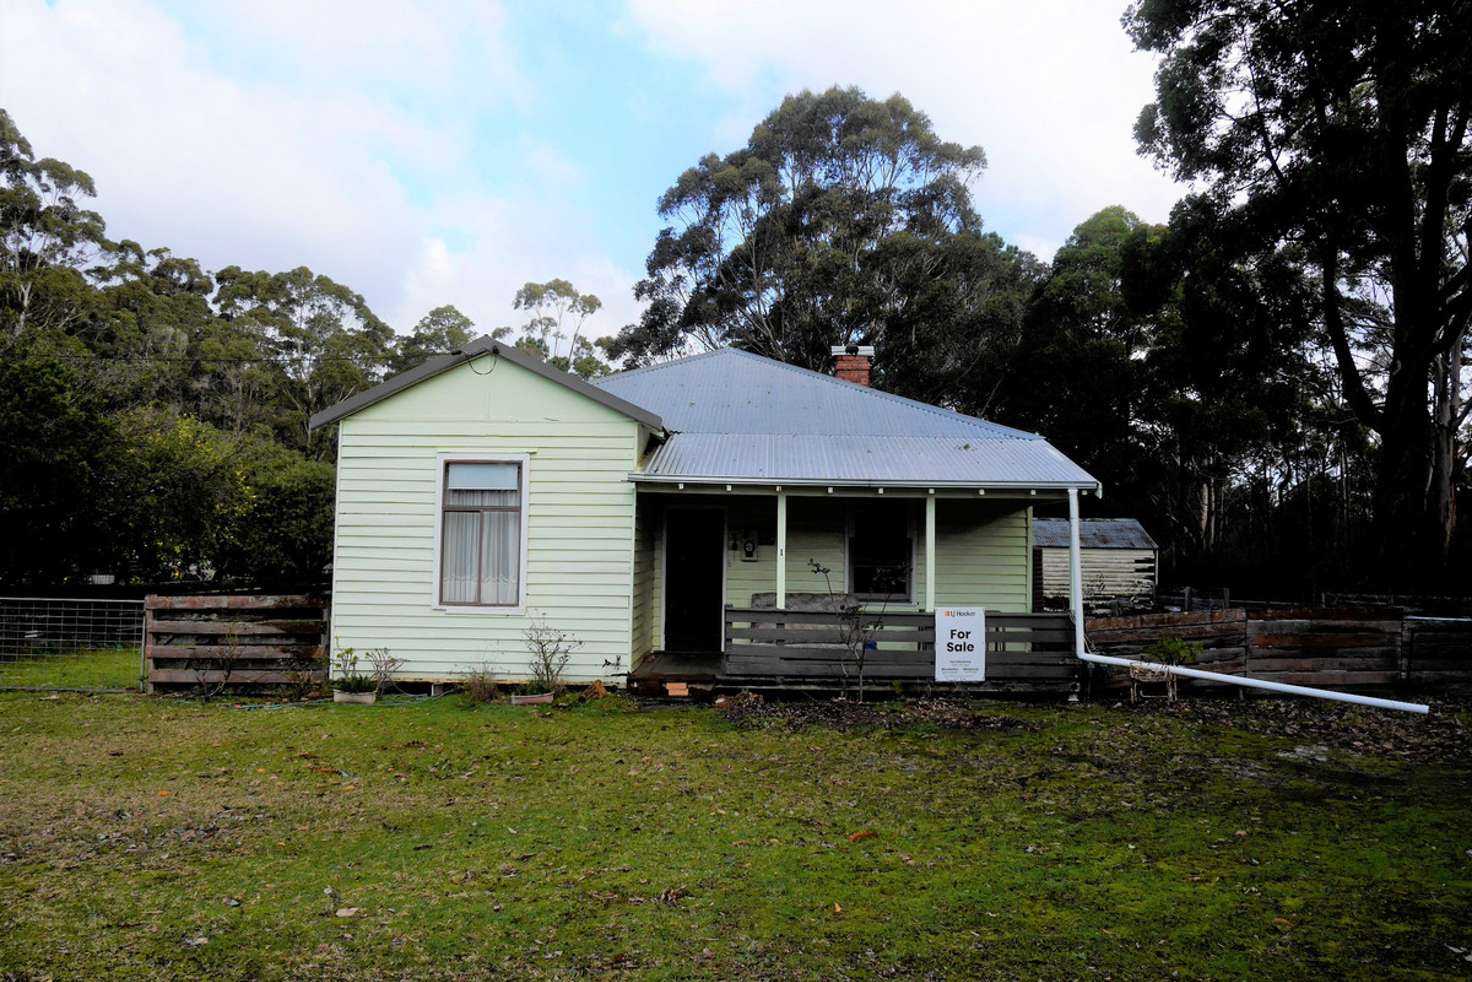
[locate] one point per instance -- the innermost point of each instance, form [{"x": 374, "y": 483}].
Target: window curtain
[
  {"x": 459, "y": 557},
  {"x": 480, "y": 562}
]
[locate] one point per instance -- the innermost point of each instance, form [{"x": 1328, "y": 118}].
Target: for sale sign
[{"x": 960, "y": 644}]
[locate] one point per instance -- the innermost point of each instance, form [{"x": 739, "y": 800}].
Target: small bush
[
  {"x": 1173, "y": 651},
  {"x": 551, "y": 649},
  {"x": 480, "y": 685},
  {"x": 347, "y": 676}
]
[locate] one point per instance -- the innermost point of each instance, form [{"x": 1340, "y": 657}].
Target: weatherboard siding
[
  {"x": 1106, "y": 572},
  {"x": 982, "y": 551},
  {"x": 643, "y": 620},
  {"x": 580, "y": 515}
]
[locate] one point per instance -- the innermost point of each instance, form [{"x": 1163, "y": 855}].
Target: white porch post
[
  {"x": 781, "y": 550},
  {"x": 1075, "y": 573},
  {"x": 930, "y": 552}
]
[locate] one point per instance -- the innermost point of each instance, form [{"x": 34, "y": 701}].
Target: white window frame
[
  {"x": 442, "y": 461},
  {"x": 851, "y": 522}
]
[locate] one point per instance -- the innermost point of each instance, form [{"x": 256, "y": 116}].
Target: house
[
  {"x": 1120, "y": 561},
  {"x": 673, "y": 509}
]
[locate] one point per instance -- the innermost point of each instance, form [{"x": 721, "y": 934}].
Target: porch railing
[{"x": 1036, "y": 649}]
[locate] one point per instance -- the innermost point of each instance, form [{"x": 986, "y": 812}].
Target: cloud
[
  {"x": 1050, "y": 90},
  {"x": 274, "y": 134}
]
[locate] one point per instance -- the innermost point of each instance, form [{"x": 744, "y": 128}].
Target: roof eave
[{"x": 639, "y": 477}]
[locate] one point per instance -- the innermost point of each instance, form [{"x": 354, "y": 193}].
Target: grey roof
[
  {"x": 483, "y": 345},
  {"x": 737, "y": 417},
  {"x": 1093, "y": 533}
]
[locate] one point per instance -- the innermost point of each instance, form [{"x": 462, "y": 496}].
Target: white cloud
[
  {"x": 1050, "y": 90},
  {"x": 284, "y": 134}
]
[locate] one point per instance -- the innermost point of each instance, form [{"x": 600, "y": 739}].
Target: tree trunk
[
  {"x": 1404, "y": 518},
  {"x": 1446, "y": 421}
]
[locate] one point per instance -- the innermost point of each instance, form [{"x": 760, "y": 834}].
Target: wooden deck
[{"x": 766, "y": 648}]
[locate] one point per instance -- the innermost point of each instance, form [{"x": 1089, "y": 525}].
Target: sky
[{"x": 448, "y": 152}]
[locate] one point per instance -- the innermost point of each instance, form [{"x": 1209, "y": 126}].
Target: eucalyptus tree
[
  {"x": 47, "y": 236},
  {"x": 836, "y": 221},
  {"x": 553, "y": 331},
  {"x": 1342, "y": 127},
  {"x": 321, "y": 339},
  {"x": 441, "y": 330}
]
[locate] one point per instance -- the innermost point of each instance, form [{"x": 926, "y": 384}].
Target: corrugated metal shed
[
  {"x": 1093, "y": 533},
  {"x": 739, "y": 417}
]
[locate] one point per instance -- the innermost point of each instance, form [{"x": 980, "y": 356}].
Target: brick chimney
[{"x": 851, "y": 362}]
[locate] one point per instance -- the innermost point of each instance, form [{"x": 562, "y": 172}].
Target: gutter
[{"x": 640, "y": 477}]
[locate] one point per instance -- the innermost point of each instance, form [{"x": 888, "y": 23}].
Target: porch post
[
  {"x": 930, "y": 551},
  {"x": 1075, "y": 573},
  {"x": 781, "y": 550}
]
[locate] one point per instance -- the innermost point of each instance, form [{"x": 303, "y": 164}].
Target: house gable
[{"x": 489, "y": 388}]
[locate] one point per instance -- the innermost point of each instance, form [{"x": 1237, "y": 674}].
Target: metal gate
[{"x": 71, "y": 643}]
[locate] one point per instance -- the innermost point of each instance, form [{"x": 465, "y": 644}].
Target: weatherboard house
[{"x": 700, "y": 518}]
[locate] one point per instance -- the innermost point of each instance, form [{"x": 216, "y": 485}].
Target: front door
[{"x": 695, "y": 558}]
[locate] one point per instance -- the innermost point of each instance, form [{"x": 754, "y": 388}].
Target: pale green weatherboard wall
[
  {"x": 983, "y": 550},
  {"x": 580, "y": 514}
]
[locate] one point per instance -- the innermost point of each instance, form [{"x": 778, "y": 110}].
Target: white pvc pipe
[
  {"x": 1252, "y": 683},
  {"x": 1075, "y": 572}
]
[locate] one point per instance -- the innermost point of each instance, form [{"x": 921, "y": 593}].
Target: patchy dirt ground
[
  {"x": 750, "y": 710},
  {"x": 808, "y": 839},
  {"x": 1443, "y": 736}
]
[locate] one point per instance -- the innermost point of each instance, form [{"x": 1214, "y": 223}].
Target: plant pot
[
  {"x": 357, "y": 698},
  {"x": 537, "y": 699}
]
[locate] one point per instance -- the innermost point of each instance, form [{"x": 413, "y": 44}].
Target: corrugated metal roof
[
  {"x": 736, "y": 417},
  {"x": 1093, "y": 533}
]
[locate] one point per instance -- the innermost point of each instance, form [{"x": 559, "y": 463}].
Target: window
[
  {"x": 881, "y": 552},
  {"x": 481, "y": 534}
]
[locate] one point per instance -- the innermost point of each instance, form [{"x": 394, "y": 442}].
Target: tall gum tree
[{"x": 1343, "y": 127}]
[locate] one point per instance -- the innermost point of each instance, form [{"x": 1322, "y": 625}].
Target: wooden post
[
  {"x": 781, "y": 550},
  {"x": 146, "y": 659},
  {"x": 930, "y": 552}
]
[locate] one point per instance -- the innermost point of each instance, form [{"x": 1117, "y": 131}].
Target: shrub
[
  {"x": 551, "y": 649},
  {"x": 347, "y": 676},
  {"x": 480, "y": 684},
  {"x": 1173, "y": 651}
]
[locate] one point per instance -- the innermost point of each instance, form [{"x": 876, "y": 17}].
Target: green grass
[
  {"x": 75, "y": 670},
  {"x": 666, "y": 843}
]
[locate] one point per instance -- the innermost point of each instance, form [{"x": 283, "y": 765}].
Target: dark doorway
[{"x": 695, "y": 556}]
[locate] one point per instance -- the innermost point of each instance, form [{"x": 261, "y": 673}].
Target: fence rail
[
  {"x": 1324, "y": 647},
  {"x": 224, "y": 641},
  {"x": 70, "y": 643},
  {"x": 1023, "y": 650}
]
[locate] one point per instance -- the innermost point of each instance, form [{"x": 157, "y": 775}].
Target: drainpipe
[
  {"x": 1080, "y": 648},
  {"x": 1075, "y": 573}
]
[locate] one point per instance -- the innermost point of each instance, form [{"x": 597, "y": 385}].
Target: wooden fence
[
  {"x": 1024, "y": 651},
  {"x": 218, "y": 641},
  {"x": 1328, "y": 648}
]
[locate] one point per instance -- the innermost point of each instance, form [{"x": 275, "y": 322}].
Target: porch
[{"x": 744, "y": 587}]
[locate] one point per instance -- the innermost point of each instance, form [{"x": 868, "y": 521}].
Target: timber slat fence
[
  {"x": 195, "y": 641},
  {"x": 1023, "y": 650},
  {"x": 1342, "y": 648}
]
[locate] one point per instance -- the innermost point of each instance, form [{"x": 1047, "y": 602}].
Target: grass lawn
[
  {"x": 100, "y": 669},
  {"x": 154, "y": 837}
]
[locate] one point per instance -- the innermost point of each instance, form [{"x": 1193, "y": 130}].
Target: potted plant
[
  {"x": 351, "y": 684},
  {"x": 550, "y": 650}
]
